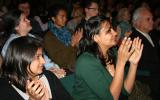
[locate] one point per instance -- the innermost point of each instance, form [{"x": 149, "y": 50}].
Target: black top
[{"x": 7, "y": 92}]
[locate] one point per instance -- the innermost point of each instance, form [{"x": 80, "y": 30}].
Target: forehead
[
  {"x": 105, "y": 24},
  {"x": 26, "y": 5},
  {"x": 94, "y": 4},
  {"x": 61, "y": 12},
  {"x": 39, "y": 51},
  {"x": 146, "y": 14}
]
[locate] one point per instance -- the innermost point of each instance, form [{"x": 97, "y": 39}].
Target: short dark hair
[
  {"x": 54, "y": 10},
  {"x": 11, "y": 20},
  {"x": 87, "y": 3},
  {"x": 19, "y": 56},
  {"x": 22, "y": 2}
]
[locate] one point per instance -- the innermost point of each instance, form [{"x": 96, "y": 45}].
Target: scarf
[{"x": 61, "y": 33}]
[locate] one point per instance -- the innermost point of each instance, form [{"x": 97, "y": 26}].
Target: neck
[
  {"x": 34, "y": 77},
  {"x": 104, "y": 50},
  {"x": 58, "y": 26},
  {"x": 22, "y": 33}
]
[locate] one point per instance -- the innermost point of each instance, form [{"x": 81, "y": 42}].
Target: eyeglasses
[{"x": 94, "y": 9}]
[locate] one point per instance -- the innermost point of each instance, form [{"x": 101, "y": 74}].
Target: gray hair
[{"x": 137, "y": 14}]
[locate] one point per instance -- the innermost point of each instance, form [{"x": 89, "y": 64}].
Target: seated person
[
  {"x": 23, "y": 76},
  {"x": 16, "y": 24},
  {"x": 59, "y": 43},
  {"x": 99, "y": 73}
]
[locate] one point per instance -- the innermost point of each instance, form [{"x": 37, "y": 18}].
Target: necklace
[{"x": 110, "y": 69}]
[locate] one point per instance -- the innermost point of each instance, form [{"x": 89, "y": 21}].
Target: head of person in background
[
  {"x": 15, "y": 25},
  {"x": 91, "y": 8},
  {"x": 16, "y": 22},
  {"x": 143, "y": 20},
  {"x": 124, "y": 15},
  {"x": 24, "y": 6},
  {"x": 58, "y": 15}
]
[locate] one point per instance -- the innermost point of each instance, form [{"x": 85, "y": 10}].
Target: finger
[
  {"x": 41, "y": 94},
  {"x": 127, "y": 44},
  {"x": 30, "y": 84},
  {"x": 139, "y": 44},
  {"x": 122, "y": 43},
  {"x": 35, "y": 86},
  {"x": 39, "y": 90},
  {"x": 141, "y": 48}
]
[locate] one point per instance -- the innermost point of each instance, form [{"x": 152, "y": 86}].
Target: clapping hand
[
  {"x": 34, "y": 90},
  {"x": 76, "y": 37},
  {"x": 137, "y": 48},
  {"x": 124, "y": 51}
]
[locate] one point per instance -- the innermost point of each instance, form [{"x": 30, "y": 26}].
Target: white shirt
[{"x": 147, "y": 37}]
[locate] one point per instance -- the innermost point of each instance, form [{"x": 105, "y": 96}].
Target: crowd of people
[{"x": 102, "y": 51}]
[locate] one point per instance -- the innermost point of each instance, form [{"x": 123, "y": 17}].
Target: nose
[
  {"x": 114, "y": 32},
  {"x": 42, "y": 61},
  {"x": 28, "y": 20}
]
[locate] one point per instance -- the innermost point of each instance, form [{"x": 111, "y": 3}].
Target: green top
[{"x": 92, "y": 80}]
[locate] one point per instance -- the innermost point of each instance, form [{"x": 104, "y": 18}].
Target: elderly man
[{"x": 149, "y": 65}]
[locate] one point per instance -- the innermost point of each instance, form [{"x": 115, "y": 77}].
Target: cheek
[{"x": 35, "y": 68}]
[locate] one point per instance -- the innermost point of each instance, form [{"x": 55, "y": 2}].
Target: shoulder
[
  {"x": 86, "y": 57},
  {"x": 7, "y": 92},
  {"x": 87, "y": 61}
]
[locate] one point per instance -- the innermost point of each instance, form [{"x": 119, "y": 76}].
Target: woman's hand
[
  {"x": 76, "y": 37},
  {"x": 137, "y": 48},
  {"x": 124, "y": 51},
  {"x": 34, "y": 90},
  {"x": 59, "y": 72}
]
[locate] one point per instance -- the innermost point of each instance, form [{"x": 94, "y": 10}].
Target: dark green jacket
[{"x": 92, "y": 80}]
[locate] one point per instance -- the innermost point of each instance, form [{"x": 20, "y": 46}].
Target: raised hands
[
  {"x": 36, "y": 90},
  {"x": 76, "y": 37},
  {"x": 137, "y": 48},
  {"x": 124, "y": 51},
  {"x": 59, "y": 72},
  {"x": 130, "y": 51}
]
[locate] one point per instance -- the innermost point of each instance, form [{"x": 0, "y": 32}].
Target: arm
[
  {"x": 137, "y": 47},
  {"x": 123, "y": 56}
]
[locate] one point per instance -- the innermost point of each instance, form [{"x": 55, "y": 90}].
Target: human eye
[{"x": 109, "y": 30}]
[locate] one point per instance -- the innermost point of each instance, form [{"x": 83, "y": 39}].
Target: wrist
[{"x": 133, "y": 64}]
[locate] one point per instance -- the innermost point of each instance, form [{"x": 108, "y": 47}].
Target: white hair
[{"x": 138, "y": 13}]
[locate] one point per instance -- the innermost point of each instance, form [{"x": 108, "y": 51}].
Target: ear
[
  {"x": 86, "y": 9},
  {"x": 53, "y": 19},
  {"x": 16, "y": 28},
  {"x": 96, "y": 38}
]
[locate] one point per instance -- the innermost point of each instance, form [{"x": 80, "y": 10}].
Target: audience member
[
  {"x": 77, "y": 15},
  {"x": 24, "y": 6},
  {"x": 60, "y": 44},
  {"x": 23, "y": 77},
  {"x": 149, "y": 64},
  {"x": 91, "y": 8},
  {"x": 16, "y": 25},
  {"x": 98, "y": 75},
  {"x": 124, "y": 25}
]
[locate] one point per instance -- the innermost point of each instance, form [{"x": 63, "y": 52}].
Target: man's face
[
  {"x": 91, "y": 11},
  {"x": 25, "y": 8},
  {"x": 146, "y": 21}
]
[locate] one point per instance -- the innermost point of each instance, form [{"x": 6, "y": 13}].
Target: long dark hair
[
  {"x": 19, "y": 56},
  {"x": 87, "y": 44}
]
